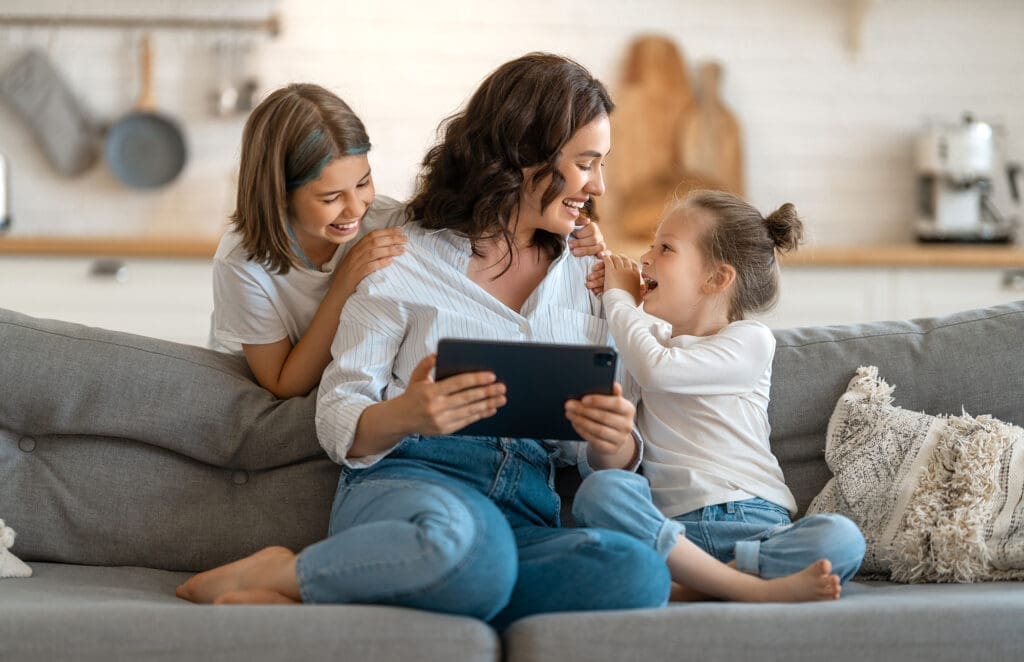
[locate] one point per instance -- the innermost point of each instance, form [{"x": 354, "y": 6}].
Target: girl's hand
[
  {"x": 372, "y": 252},
  {"x": 595, "y": 279},
  {"x": 606, "y": 423},
  {"x": 622, "y": 273},
  {"x": 588, "y": 240},
  {"x": 443, "y": 407}
]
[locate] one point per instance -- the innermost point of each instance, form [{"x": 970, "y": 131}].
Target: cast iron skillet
[{"x": 145, "y": 149}]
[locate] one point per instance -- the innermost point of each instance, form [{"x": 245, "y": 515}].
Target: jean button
[
  {"x": 240, "y": 477},
  {"x": 27, "y": 444}
]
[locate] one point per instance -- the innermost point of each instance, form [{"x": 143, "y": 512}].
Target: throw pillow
[
  {"x": 10, "y": 565},
  {"x": 939, "y": 498}
]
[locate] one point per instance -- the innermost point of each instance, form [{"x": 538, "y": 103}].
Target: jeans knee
[
  {"x": 843, "y": 544},
  {"x": 599, "y": 499}
]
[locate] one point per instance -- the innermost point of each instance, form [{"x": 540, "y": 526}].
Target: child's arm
[
  {"x": 287, "y": 370},
  {"x": 731, "y": 361}
]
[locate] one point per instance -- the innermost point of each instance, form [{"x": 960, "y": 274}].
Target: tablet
[{"x": 538, "y": 378}]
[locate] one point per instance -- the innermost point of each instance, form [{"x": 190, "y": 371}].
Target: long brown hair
[
  {"x": 288, "y": 139},
  {"x": 740, "y": 236},
  {"x": 520, "y": 117}
]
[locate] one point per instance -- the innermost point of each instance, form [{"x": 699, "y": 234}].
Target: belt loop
[{"x": 730, "y": 507}]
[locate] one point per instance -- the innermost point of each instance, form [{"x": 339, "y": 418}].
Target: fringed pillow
[{"x": 939, "y": 498}]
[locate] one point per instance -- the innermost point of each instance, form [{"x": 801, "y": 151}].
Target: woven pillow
[{"x": 939, "y": 498}]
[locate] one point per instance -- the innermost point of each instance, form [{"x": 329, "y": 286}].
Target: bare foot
[
  {"x": 270, "y": 569},
  {"x": 815, "y": 582},
  {"x": 258, "y": 596}
]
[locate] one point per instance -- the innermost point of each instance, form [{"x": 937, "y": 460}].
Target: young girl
[
  {"x": 282, "y": 275},
  {"x": 704, "y": 373}
]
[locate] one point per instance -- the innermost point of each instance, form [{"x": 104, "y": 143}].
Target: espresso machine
[{"x": 958, "y": 168}]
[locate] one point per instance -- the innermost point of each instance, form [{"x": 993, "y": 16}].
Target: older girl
[{"x": 469, "y": 525}]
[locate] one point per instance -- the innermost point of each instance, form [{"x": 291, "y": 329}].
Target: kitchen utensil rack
[{"x": 270, "y": 25}]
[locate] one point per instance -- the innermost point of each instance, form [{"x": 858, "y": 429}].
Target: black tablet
[{"x": 538, "y": 378}]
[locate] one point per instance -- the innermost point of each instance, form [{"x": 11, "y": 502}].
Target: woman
[{"x": 459, "y": 524}]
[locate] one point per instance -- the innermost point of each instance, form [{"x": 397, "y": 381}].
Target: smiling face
[
  {"x": 682, "y": 287},
  {"x": 580, "y": 164},
  {"x": 329, "y": 210}
]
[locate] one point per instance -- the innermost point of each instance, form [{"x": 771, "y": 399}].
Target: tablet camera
[{"x": 603, "y": 359}]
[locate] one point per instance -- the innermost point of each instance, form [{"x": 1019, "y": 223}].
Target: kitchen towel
[{"x": 40, "y": 96}]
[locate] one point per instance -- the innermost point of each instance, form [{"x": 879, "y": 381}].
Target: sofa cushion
[
  {"x": 872, "y": 621},
  {"x": 117, "y": 449},
  {"x": 89, "y": 613},
  {"x": 972, "y": 360}
]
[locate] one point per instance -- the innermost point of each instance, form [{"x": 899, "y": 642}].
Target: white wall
[{"x": 824, "y": 129}]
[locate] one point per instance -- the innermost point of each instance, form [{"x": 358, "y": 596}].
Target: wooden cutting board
[
  {"x": 650, "y": 100},
  {"x": 709, "y": 141}
]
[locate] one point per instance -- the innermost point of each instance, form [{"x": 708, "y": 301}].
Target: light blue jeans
[
  {"x": 470, "y": 526},
  {"x": 757, "y": 534}
]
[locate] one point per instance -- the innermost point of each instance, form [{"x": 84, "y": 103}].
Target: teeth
[{"x": 573, "y": 203}]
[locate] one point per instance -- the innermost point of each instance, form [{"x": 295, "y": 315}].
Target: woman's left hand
[
  {"x": 588, "y": 240},
  {"x": 606, "y": 423}
]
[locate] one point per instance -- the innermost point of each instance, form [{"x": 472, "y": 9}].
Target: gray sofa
[{"x": 170, "y": 460}]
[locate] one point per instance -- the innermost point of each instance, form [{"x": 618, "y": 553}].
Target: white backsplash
[{"x": 823, "y": 128}]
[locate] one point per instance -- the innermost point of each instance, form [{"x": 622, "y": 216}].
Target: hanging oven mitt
[
  {"x": 34, "y": 89},
  {"x": 10, "y": 565}
]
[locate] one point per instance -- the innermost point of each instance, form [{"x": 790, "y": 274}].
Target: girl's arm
[
  {"x": 286, "y": 370},
  {"x": 731, "y": 361}
]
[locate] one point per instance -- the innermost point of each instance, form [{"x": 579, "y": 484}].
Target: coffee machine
[{"x": 958, "y": 166}]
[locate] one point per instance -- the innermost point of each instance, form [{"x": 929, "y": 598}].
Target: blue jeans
[
  {"x": 469, "y": 525},
  {"x": 757, "y": 534}
]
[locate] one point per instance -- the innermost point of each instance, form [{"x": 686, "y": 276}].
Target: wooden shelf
[
  {"x": 156, "y": 246},
  {"x": 888, "y": 255}
]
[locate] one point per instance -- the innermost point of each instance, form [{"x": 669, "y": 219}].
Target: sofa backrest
[
  {"x": 117, "y": 449},
  {"x": 973, "y": 360}
]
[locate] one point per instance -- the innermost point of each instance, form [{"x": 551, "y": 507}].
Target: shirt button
[
  {"x": 27, "y": 444},
  {"x": 524, "y": 328},
  {"x": 240, "y": 478}
]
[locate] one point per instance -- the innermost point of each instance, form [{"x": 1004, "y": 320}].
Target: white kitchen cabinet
[
  {"x": 845, "y": 295},
  {"x": 162, "y": 298}
]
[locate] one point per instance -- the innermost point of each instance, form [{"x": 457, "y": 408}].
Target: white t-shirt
[
  {"x": 703, "y": 409},
  {"x": 253, "y": 306}
]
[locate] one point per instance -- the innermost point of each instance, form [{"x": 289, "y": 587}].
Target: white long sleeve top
[
  {"x": 703, "y": 410},
  {"x": 397, "y": 315}
]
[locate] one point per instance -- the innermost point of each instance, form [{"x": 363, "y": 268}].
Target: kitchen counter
[
  {"x": 888, "y": 255},
  {"x": 141, "y": 246}
]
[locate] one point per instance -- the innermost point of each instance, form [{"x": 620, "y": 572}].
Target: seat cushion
[
  {"x": 102, "y": 613},
  {"x": 872, "y": 621}
]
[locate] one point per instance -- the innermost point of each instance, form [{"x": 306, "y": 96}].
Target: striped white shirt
[{"x": 398, "y": 314}]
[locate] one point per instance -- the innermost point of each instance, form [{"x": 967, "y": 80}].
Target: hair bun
[{"x": 785, "y": 228}]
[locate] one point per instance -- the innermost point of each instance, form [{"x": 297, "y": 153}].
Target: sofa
[{"x": 128, "y": 463}]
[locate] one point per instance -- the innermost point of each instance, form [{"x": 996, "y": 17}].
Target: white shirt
[
  {"x": 397, "y": 315},
  {"x": 703, "y": 409},
  {"x": 254, "y": 306}
]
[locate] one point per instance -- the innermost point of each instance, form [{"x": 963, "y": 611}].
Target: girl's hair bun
[{"x": 785, "y": 228}]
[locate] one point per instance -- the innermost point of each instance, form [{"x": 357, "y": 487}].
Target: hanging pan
[{"x": 145, "y": 148}]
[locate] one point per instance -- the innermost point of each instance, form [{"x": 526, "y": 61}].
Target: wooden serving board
[{"x": 709, "y": 141}]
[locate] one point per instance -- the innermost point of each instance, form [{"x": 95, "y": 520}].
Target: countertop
[{"x": 888, "y": 255}]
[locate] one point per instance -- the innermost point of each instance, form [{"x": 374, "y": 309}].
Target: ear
[{"x": 720, "y": 279}]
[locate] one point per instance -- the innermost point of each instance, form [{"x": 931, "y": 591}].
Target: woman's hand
[
  {"x": 372, "y": 252},
  {"x": 606, "y": 423},
  {"x": 588, "y": 240},
  {"x": 443, "y": 407},
  {"x": 622, "y": 273}
]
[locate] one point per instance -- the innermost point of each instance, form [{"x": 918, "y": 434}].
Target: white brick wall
[{"x": 824, "y": 129}]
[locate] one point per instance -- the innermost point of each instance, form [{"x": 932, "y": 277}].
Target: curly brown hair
[{"x": 520, "y": 117}]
